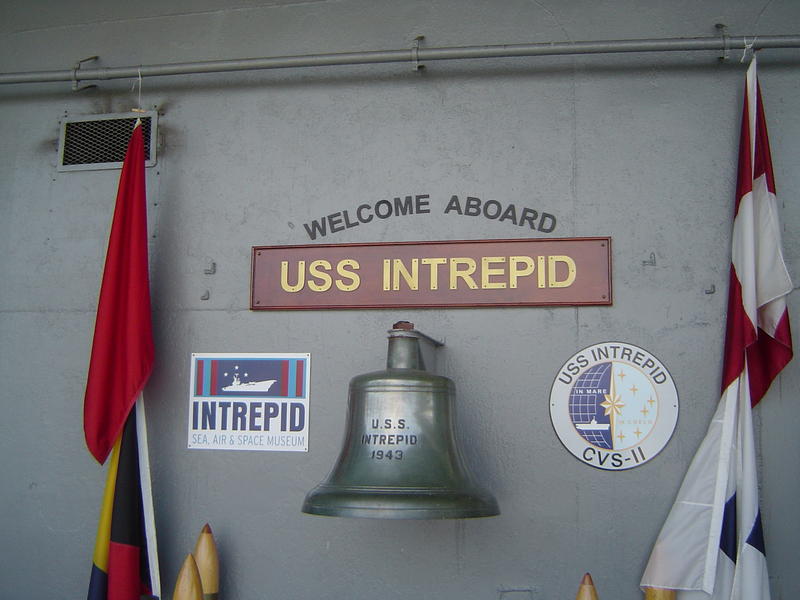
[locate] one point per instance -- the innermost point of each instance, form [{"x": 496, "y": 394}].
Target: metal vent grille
[{"x": 100, "y": 141}]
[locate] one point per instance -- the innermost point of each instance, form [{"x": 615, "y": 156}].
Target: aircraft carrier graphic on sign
[
  {"x": 592, "y": 426},
  {"x": 237, "y": 385}
]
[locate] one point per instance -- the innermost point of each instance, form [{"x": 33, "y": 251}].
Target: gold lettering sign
[{"x": 522, "y": 272}]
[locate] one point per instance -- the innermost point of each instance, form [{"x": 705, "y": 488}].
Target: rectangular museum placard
[
  {"x": 520, "y": 272},
  {"x": 249, "y": 401}
]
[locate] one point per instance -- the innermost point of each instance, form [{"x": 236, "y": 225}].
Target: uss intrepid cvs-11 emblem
[{"x": 614, "y": 405}]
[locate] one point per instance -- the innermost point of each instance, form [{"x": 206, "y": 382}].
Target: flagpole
[
  {"x": 147, "y": 497},
  {"x": 658, "y": 594}
]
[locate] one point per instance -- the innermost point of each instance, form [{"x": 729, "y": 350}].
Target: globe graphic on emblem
[{"x": 613, "y": 405}]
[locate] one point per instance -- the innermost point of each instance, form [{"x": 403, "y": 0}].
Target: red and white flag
[{"x": 712, "y": 545}]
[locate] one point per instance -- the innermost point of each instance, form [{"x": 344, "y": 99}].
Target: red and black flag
[{"x": 120, "y": 569}]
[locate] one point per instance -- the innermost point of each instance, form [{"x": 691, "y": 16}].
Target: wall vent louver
[{"x": 100, "y": 141}]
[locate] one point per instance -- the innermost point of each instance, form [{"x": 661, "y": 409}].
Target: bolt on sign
[{"x": 521, "y": 272}]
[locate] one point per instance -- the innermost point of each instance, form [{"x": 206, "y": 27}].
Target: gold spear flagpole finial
[
  {"x": 205, "y": 555},
  {"x": 586, "y": 590},
  {"x": 187, "y": 586}
]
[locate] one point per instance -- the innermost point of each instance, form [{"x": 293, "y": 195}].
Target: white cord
[
  {"x": 139, "y": 70},
  {"x": 747, "y": 47}
]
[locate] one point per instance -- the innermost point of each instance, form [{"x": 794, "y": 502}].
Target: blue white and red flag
[{"x": 712, "y": 544}]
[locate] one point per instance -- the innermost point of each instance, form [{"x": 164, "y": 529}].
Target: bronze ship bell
[{"x": 400, "y": 459}]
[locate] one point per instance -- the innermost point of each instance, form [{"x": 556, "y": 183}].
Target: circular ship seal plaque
[{"x": 614, "y": 405}]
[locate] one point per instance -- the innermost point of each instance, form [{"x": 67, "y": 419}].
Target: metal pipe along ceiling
[{"x": 414, "y": 55}]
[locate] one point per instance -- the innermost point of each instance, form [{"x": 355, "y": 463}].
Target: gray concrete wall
[{"x": 641, "y": 148}]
